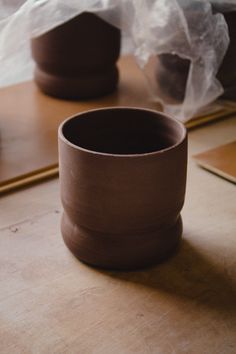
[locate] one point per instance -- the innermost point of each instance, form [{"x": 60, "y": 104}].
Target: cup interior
[{"x": 123, "y": 131}]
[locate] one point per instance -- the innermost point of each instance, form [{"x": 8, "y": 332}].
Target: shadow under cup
[{"x": 123, "y": 178}]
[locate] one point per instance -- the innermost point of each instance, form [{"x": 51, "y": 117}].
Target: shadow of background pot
[
  {"x": 122, "y": 179},
  {"x": 172, "y": 71},
  {"x": 77, "y": 60}
]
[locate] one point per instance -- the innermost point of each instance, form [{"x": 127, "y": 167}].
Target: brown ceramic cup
[
  {"x": 122, "y": 180},
  {"x": 77, "y": 60}
]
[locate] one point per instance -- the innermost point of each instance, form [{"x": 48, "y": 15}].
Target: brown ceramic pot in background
[
  {"x": 122, "y": 178},
  {"x": 172, "y": 71},
  {"x": 77, "y": 60},
  {"x": 227, "y": 71}
]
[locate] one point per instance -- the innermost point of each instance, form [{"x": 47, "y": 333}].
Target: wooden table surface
[{"x": 52, "y": 303}]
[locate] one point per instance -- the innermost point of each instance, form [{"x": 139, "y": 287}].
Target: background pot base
[
  {"x": 77, "y": 87},
  {"x": 121, "y": 251}
]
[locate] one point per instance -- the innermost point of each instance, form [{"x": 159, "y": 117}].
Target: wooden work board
[{"x": 29, "y": 121}]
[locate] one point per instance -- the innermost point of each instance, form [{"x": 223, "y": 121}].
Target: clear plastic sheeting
[
  {"x": 224, "y": 5},
  {"x": 8, "y": 8},
  {"x": 180, "y": 49},
  {"x": 192, "y": 31}
]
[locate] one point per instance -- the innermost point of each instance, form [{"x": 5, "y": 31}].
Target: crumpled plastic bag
[
  {"x": 151, "y": 28},
  {"x": 180, "y": 46}
]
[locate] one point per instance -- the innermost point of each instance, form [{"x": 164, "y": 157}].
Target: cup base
[
  {"x": 121, "y": 251},
  {"x": 77, "y": 87}
]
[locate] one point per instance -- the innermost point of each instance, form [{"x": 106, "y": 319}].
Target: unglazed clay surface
[
  {"x": 77, "y": 60},
  {"x": 122, "y": 196}
]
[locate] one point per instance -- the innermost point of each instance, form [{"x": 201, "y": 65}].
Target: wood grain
[{"x": 51, "y": 303}]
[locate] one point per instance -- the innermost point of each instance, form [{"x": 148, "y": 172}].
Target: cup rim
[{"x": 93, "y": 152}]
